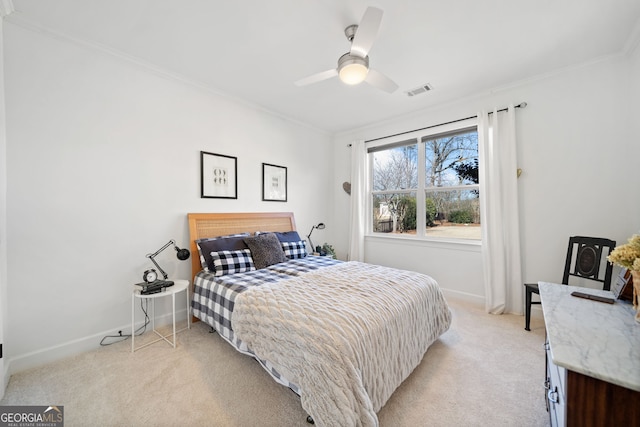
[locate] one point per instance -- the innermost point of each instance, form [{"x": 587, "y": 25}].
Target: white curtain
[
  {"x": 499, "y": 212},
  {"x": 358, "y": 200}
]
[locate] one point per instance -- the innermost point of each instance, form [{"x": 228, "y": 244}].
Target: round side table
[{"x": 178, "y": 286}]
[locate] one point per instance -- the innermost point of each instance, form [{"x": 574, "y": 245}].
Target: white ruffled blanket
[{"x": 347, "y": 335}]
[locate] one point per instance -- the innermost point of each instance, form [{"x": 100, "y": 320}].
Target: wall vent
[{"x": 421, "y": 89}]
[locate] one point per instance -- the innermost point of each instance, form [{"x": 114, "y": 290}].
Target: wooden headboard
[{"x": 203, "y": 225}]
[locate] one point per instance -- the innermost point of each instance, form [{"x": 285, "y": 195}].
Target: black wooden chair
[{"x": 585, "y": 257}]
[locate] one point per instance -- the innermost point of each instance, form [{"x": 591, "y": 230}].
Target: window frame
[{"x": 419, "y": 136}]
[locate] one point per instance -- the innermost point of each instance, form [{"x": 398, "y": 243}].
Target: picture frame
[
  {"x": 274, "y": 183},
  {"x": 218, "y": 176},
  {"x": 622, "y": 287}
]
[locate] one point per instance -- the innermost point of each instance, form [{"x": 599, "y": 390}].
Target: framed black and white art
[
  {"x": 274, "y": 183},
  {"x": 218, "y": 176}
]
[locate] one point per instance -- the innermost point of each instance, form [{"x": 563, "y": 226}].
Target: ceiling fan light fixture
[
  {"x": 353, "y": 74},
  {"x": 353, "y": 69},
  {"x": 353, "y": 66}
]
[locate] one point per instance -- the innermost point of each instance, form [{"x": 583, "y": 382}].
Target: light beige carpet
[{"x": 486, "y": 370}]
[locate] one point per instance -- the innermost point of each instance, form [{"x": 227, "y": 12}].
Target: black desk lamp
[
  {"x": 150, "y": 276},
  {"x": 319, "y": 227}
]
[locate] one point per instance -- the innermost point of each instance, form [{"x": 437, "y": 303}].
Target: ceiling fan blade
[
  {"x": 367, "y": 32},
  {"x": 318, "y": 77},
  {"x": 381, "y": 81}
]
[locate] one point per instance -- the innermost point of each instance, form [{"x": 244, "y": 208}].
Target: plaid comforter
[{"x": 214, "y": 298}]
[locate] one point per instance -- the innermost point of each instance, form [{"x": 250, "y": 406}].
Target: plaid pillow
[
  {"x": 231, "y": 262},
  {"x": 294, "y": 250}
]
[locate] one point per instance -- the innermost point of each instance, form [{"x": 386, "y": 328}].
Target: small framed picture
[
  {"x": 218, "y": 176},
  {"x": 274, "y": 183},
  {"x": 622, "y": 287}
]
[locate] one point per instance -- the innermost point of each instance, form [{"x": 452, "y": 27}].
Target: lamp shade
[
  {"x": 182, "y": 254},
  {"x": 353, "y": 74},
  {"x": 352, "y": 70}
]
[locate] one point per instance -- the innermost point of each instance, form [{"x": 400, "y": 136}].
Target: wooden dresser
[{"x": 593, "y": 359}]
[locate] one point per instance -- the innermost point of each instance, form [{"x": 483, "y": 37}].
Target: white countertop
[{"x": 590, "y": 337}]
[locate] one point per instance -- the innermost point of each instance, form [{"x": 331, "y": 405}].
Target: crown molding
[
  {"x": 18, "y": 20},
  {"x": 6, "y": 8}
]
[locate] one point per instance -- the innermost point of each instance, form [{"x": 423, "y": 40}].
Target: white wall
[
  {"x": 579, "y": 154},
  {"x": 103, "y": 167},
  {"x": 3, "y": 213},
  {"x": 634, "y": 107}
]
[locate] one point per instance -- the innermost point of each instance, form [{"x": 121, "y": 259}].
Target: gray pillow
[{"x": 266, "y": 250}]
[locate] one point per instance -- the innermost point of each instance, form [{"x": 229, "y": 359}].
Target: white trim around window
[{"x": 421, "y": 190}]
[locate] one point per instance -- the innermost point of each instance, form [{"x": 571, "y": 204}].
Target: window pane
[
  {"x": 394, "y": 213},
  {"x": 453, "y": 214},
  {"x": 395, "y": 168},
  {"x": 451, "y": 160}
]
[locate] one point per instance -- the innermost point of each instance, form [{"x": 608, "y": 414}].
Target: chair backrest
[{"x": 585, "y": 258}]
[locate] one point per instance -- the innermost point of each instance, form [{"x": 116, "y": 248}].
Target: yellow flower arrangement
[{"x": 627, "y": 255}]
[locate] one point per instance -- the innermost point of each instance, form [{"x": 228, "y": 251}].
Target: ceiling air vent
[{"x": 421, "y": 89}]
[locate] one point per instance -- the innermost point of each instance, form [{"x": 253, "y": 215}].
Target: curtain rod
[{"x": 521, "y": 105}]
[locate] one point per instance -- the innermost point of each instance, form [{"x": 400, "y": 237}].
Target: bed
[{"x": 342, "y": 335}]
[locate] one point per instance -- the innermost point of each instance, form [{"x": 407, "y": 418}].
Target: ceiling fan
[{"x": 353, "y": 66}]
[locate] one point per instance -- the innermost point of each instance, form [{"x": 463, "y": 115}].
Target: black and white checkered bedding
[{"x": 214, "y": 298}]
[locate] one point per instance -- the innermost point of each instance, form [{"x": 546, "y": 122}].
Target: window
[{"x": 427, "y": 186}]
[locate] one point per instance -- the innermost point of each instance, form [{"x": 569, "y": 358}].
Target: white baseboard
[
  {"x": 6, "y": 377},
  {"x": 51, "y": 354},
  {"x": 477, "y": 300}
]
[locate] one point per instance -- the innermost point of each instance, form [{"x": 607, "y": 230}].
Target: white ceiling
[{"x": 255, "y": 50}]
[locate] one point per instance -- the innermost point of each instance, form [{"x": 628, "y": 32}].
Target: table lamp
[
  {"x": 319, "y": 227},
  {"x": 151, "y": 276}
]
